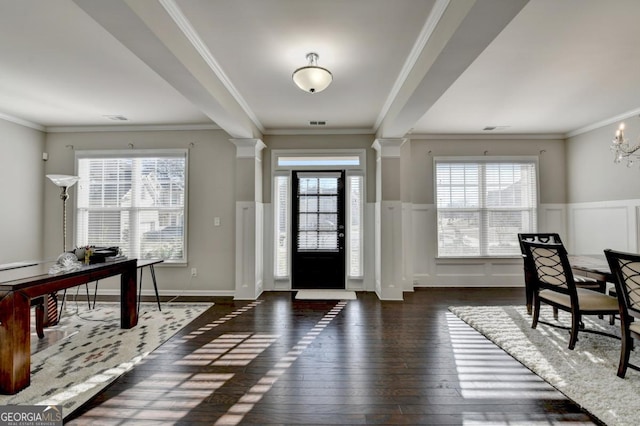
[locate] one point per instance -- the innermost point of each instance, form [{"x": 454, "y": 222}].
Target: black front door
[{"x": 318, "y": 254}]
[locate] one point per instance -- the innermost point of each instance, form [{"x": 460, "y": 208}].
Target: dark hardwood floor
[{"x": 278, "y": 360}]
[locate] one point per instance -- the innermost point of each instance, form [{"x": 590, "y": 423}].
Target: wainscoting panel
[
  {"x": 249, "y": 228},
  {"x": 391, "y": 251},
  {"x": 428, "y": 271},
  {"x": 553, "y": 218},
  {"x": 600, "y": 225},
  {"x": 424, "y": 241}
]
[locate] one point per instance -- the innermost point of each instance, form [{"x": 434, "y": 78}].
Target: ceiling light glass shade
[
  {"x": 312, "y": 78},
  {"x": 64, "y": 180}
]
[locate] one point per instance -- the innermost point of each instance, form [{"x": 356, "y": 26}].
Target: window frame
[
  {"x": 351, "y": 168},
  {"x": 138, "y": 153},
  {"x": 483, "y": 228}
]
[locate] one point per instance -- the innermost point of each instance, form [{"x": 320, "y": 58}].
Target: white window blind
[
  {"x": 281, "y": 226},
  {"x": 134, "y": 200},
  {"x": 355, "y": 217},
  {"x": 483, "y": 204}
]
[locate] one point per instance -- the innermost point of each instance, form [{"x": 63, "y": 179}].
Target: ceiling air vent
[
  {"x": 117, "y": 117},
  {"x": 317, "y": 123},
  {"x": 491, "y": 128}
]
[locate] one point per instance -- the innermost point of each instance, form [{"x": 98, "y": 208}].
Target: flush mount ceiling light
[{"x": 312, "y": 78}]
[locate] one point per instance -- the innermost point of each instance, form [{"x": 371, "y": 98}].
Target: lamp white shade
[
  {"x": 63, "y": 180},
  {"x": 312, "y": 78}
]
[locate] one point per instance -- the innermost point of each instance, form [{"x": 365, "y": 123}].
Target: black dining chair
[
  {"x": 554, "y": 285},
  {"x": 625, "y": 268},
  {"x": 548, "y": 238}
]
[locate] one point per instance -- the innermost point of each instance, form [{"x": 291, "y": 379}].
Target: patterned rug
[
  {"x": 586, "y": 375},
  {"x": 95, "y": 351}
]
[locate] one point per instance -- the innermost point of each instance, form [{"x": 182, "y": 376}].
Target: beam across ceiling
[
  {"x": 460, "y": 35},
  {"x": 150, "y": 32}
]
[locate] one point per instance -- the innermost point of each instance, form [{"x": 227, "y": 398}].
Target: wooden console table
[{"x": 18, "y": 286}]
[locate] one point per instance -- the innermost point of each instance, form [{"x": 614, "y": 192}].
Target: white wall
[
  {"x": 211, "y": 249},
  {"x": 22, "y": 174}
]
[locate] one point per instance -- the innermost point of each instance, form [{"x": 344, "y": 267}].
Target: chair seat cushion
[{"x": 589, "y": 300}]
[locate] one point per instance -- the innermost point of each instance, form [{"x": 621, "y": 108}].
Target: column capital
[
  {"x": 248, "y": 148},
  {"x": 388, "y": 147}
]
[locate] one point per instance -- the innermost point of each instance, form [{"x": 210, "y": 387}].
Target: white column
[
  {"x": 389, "y": 216},
  {"x": 249, "y": 218}
]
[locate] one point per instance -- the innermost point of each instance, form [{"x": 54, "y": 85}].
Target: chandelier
[
  {"x": 312, "y": 78},
  {"x": 622, "y": 149}
]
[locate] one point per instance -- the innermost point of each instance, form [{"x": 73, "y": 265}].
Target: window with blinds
[
  {"x": 482, "y": 204},
  {"x": 134, "y": 200}
]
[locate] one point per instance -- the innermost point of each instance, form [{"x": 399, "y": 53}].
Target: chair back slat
[
  {"x": 631, "y": 275},
  {"x": 548, "y": 266},
  {"x": 551, "y": 267}
]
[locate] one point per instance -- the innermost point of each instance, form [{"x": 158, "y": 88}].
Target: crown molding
[
  {"x": 248, "y": 148},
  {"x": 474, "y": 136},
  {"x": 603, "y": 123},
  {"x": 131, "y": 128},
  {"x": 22, "y": 122},
  {"x": 389, "y": 147}
]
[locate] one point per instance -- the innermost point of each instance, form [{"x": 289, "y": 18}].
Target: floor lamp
[{"x": 64, "y": 182}]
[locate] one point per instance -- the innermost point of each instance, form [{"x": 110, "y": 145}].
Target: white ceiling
[{"x": 401, "y": 66}]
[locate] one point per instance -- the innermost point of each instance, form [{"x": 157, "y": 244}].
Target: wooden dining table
[{"x": 592, "y": 266}]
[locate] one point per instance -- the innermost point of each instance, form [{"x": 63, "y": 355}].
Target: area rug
[
  {"x": 586, "y": 375},
  {"x": 325, "y": 295},
  {"x": 96, "y": 351}
]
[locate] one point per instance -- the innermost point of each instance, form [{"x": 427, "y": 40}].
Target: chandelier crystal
[
  {"x": 622, "y": 149},
  {"x": 312, "y": 78}
]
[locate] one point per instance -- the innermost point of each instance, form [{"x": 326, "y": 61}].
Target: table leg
[
  {"x": 140, "y": 289},
  {"x": 15, "y": 343},
  {"x": 40, "y": 317},
  {"x": 128, "y": 290},
  {"x": 155, "y": 285}
]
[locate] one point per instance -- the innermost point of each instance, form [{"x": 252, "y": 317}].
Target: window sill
[{"x": 483, "y": 259}]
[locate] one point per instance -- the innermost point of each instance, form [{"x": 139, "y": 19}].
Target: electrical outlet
[
  {"x": 194, "y": 272},
  {"x": 216, "y": 221}
]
